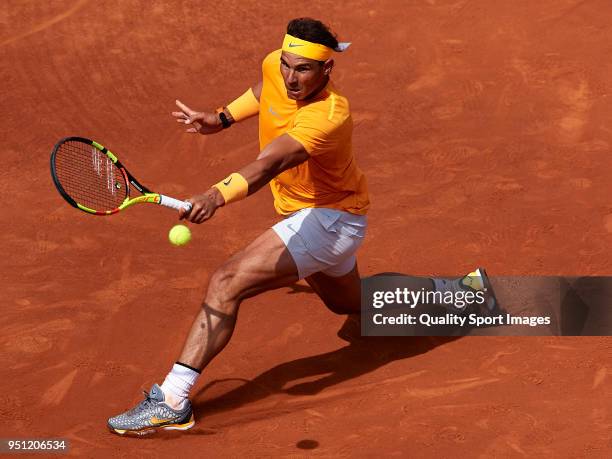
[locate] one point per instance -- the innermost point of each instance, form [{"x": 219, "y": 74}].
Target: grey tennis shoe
[
  {"x": 478, "y": 281},
  {"x": 152, "y": 414},
  {"x": 483, "y": 302}
]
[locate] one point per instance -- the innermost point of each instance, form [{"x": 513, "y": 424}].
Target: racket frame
[{"x": 147, "y": 195}]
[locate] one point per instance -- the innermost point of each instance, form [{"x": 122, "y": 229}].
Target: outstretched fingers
[
  {"x": 180, "y": 117},
  {"x": 184, "y": 108},
  {"x": 195, "y": 119}
]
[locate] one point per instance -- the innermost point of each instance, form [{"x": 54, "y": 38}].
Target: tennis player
[{"x": 305, "y": 131}]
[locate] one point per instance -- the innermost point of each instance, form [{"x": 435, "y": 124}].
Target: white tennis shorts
[{"x": 322, "y": 240}]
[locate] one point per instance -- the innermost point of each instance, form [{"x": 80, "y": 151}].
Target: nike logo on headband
[{"x": 293, "y": 45}]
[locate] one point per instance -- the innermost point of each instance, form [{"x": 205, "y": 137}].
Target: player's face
[{"x": 304, "y": 77}]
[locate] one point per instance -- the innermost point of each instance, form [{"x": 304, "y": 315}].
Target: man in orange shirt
[{"x": 305, "y": 133}]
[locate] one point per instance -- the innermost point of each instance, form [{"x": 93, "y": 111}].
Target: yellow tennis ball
[{"x": 179, "y": 235}]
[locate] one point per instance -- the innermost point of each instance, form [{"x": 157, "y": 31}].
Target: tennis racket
[{"x": 92, "y": 179}]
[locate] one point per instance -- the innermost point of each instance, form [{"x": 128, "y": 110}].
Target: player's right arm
[
  {"x": 205, "y": 123},
  {"x": 281, "y": 154}
]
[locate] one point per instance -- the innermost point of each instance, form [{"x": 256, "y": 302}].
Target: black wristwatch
[{"x": 224, "y": 121}]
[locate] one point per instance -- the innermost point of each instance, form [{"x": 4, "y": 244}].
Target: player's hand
[
  {"x": 203, "y": 206},
  {"x": 202, "y": 122}
]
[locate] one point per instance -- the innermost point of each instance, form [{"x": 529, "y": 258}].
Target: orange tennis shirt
[{"x": 323, "y": 125}]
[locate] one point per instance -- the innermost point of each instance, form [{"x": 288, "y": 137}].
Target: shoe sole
[{"x": 152, "y": 429}]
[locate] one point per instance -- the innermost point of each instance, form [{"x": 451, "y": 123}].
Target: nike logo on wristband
[{"x": 227, "y": 182}]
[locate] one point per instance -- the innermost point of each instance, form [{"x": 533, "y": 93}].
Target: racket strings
[{"x": 89, "y": 176}]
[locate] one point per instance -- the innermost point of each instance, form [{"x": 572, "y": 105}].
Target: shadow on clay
[{"x": 361, "y": 356}]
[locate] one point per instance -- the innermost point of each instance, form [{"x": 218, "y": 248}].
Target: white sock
[{"x": 179, "y": 382}]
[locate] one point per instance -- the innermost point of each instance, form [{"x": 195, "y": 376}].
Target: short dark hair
[{"x": 312, "y": 30}]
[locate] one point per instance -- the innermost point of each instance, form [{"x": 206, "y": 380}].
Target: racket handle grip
[{"x": 172, "y": 203}]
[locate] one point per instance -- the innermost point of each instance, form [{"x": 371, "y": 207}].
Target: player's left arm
[{"x": 281, "y": 154}]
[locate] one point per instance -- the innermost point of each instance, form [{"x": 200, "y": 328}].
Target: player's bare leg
[
  {"x": 264, "y": 265},
  {"x": 342, "y": 295}
]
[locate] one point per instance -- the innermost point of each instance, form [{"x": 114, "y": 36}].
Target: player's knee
[{"x": 222, "y": 289}]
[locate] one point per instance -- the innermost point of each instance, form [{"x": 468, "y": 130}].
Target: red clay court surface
[{"x": 484, "y": 129}]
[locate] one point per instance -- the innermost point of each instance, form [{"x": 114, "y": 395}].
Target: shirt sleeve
[{"x": 314, "y": 131}]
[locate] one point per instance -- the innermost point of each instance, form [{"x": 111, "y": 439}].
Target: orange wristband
[
  {"x": 233, "y": 188},
  {"x": 244, "y": 107}
]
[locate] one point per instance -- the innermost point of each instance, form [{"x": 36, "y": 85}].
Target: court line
[{"x": 47, "y": 24}]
